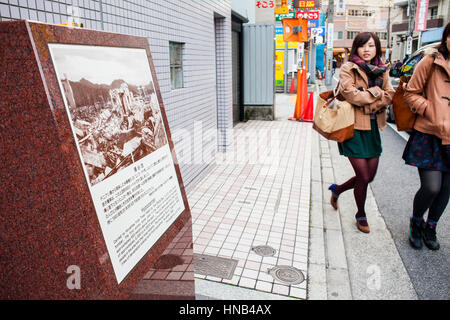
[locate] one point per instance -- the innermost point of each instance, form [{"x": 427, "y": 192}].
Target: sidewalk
[{"x": 243, "y": 203}]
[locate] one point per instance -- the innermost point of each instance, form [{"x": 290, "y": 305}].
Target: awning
[{"x": 432, "y": 35}]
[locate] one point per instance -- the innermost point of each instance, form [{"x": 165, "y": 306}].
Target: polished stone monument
[{"x": 92, "y": 203}]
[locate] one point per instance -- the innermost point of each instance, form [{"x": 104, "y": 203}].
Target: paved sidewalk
[
  {"x": 274, "y": 192},
  {"x": 259, "y": 196}
]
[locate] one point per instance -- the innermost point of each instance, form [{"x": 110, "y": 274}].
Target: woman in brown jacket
[
  {"x": 363, "y": 82},
  {"x": 428, "y": 148}
]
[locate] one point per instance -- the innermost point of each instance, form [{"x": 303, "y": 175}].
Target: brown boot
[{"x": 362, "y": 225}]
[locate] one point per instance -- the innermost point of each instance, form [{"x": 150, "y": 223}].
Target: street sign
[
  {"x": 409, "y": 41},
  {"x": 318, "y": 31}
]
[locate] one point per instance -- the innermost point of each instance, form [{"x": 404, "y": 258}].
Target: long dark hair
[
  {"x": 361, "y": 39},
  {"x": 442, "y": 48}
]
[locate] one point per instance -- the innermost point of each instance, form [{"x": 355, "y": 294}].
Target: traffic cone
[
  {"x": 298, "y": 106},
  {"x": 309, "y": 113},
  {"x": 292, "y": 89},
  {"x": 303, "y": 96}
]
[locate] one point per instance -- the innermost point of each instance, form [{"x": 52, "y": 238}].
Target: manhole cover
[
  {"x": 287, "y": 275},
  {"x": 214, "y": 266},
  {"x": 264, "y": 250}
]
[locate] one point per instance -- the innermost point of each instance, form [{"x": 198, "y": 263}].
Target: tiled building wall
[{"x": 203, "y": 26}]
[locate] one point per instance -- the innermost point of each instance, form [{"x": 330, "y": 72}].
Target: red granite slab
[{"x": 47, "y": 217}]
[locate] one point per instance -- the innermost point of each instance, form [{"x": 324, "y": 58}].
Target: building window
[
  {"x": 176, "y": 65},
  {"x": 382, "y": 35},
  {"x": 339, "y": 35},
  {"x": 352, "y": 34},
  {"x": 433, "y": 12}
]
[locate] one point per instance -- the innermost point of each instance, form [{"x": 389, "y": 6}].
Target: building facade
[
  {"x": 200, "y": 99},
  {"x": 438, "y": 16},
  {"x": 354, "y": 17}
]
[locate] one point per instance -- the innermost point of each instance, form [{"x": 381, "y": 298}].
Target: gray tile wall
[{"x": 191, "y": 22}]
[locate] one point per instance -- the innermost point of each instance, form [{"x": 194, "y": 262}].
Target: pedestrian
[
  {"x": 364, "y": 83},
  {"x": 428, "y": 148}
]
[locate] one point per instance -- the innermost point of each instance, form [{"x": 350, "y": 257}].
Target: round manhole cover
[
  {"x": 264, "y": 250},
  {"x": 287, "y": 274}
]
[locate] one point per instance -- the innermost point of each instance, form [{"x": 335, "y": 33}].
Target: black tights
[
  {"x": 433, "y": 194},
  {"x": 365, "y": 170}
]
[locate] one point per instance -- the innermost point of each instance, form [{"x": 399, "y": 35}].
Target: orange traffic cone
[
  {"x": 292, "y": 89},
  {"x": 309, "y": 113},
  {"x": 303, "y": 96},
  {"x": 298, "y": 106}
]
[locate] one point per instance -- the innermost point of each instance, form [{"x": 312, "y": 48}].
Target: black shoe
[
  {"x": 415, "y": 235},
  {"x": 429, "y": 237}
]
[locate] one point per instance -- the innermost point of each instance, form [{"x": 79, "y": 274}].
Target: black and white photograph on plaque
[
  {"x": 119, "y": 130},
  {"x": 114, "y": 109}
]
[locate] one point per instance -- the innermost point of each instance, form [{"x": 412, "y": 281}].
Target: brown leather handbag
[
  {"x": 404, "y": 117},
  {"x": 334, "y": 117}
]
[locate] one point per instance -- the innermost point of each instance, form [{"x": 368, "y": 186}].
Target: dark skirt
[
  {"x": 426, "y": 151},
  {"x": 364, "y": 144}
]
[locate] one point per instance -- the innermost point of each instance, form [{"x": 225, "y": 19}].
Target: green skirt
[{"x": 364, "y": 144}]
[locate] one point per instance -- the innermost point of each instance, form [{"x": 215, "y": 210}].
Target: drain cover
[
  {"x": 214, "y": 266},
  {"x": 287, "y": 274},
  {"x": 264, "y": 250}
]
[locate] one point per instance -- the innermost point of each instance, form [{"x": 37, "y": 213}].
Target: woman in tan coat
[
  {"x": 428, "y": 148},
  {"x": 364, "y": 82}
]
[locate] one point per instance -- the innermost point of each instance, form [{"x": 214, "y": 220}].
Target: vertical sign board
[
  {"x": 330, "y": 36},
  {"x": 330, "y": 31},
  {"x": 409, "y": 41},
  {"x": 421, "y": 15},
  {"x": 300, "y": 54},
  {"x": 279, "y": 68},
  {"x": 109, "y": 94}
]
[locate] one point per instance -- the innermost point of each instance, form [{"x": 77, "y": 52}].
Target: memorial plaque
[{"x": 92, "y": 186}]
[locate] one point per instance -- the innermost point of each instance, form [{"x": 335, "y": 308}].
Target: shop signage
[
  {"x": 421, "y": 15},
  {"x": 307, "y": 4}
]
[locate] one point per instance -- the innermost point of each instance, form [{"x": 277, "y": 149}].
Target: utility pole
[
  {"x": 312, "y": 61},
  {"x": 330, "y": 30},
  {"x": 286, "y": 60},
  {"x": 388, "y": 31},
  {"x": 412, "y": 18}
]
